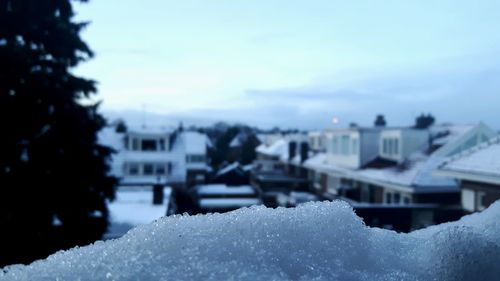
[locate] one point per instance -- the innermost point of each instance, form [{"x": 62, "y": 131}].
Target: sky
[{"x": 294, "y": 64}]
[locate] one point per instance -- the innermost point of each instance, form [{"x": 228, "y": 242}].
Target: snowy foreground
[{"x": 315, "y": 241}]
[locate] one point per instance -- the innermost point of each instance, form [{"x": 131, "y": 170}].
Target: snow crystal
[{"x": 315, "y": 241}]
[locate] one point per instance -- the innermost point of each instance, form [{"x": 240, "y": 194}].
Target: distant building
[
  {"x": 147, "y": 156},
  {"x": 478, "y": 172},
  {"x": 386, "y": 174},
  {"x": 277, "y": 171}
]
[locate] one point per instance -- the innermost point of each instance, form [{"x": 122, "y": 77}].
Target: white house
[
  {"x": 408, "y": 175},
  {"x": 148, "y": 156}
]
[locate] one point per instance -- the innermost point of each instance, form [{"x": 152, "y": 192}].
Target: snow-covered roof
[
  {"x": 228, "y": 168},
  {"x": 481, "y": 160},
  {"x": 315, "y": 241},
  {"x": 109, "y": 137},
  {"x": 247, "y": 167},
  {"x": 216, "y": 203},
  {"x": 195, "y": 142},
  {"x": 236, "y": 142},
  {"x": 278, "y": 148},
  {"x": 448, "y": 133},
  {"x": 150, "y": 130},
  {"x": 417, "y": 175},
  {"x": 222, "y": 189}
]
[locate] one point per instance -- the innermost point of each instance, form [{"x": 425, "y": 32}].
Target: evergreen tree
[{"x": 53, "y": 174}]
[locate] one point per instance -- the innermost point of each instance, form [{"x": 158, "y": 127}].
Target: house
[
  {"x": 389, "y": 171},
  {"x": 194, "y": 148},
  {"x": 478, "y": 172},
  {"x": 277, "y": 172},
  {"x": 157, "y": 156}
]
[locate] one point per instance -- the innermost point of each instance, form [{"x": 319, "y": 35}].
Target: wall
[{"x": 369, "y": 141}]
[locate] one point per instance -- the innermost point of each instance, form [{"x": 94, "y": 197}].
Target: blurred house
[
  {"x": 478, "y": 173},
  {"x": 157, "y": 156},
  {"x": 385, "y": 173},
  {"x": 276, "y": 174}
]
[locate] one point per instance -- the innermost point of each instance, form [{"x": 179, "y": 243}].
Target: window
[
  {"x": 195, "y": 158},
  {"x": 390, "y": 146},
  {"x": 132, "y": 169},
  {"x": 344, "y": 145},
  {"x": 354, "y": 146},
  {"x": 149, "y": 145},
  {"x": 388, "y": 198},
  {"x": 335, "y": 145},
  {"x": 385, "y": 149},
  {"x": 160, "y": 169},
  {"x": 148, "y": 169},
  {"x": 406, "y": 200},
  {"x": 396, "y": 197}
]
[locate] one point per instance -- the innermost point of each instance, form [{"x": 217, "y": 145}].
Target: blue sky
[{"x": 295, "y": 63}]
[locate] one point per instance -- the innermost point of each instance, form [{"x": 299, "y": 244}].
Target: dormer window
[{"x": 390, "y": 146}]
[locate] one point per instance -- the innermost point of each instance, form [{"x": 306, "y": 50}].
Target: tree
[
  {"x": 380, "y": 121},
  {"x": 424, "y": 121},
  {"x": 53, "y": 174}
]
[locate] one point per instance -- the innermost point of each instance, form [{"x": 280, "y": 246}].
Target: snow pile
[
  {"x": 136, "y": 207},
  {"x": 315, "y": 241}
]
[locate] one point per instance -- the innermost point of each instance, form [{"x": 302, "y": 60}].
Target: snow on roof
[
  {"x": 150, "y": 130},
  {"x": 247, "y": 167},
  {"x": 236, "y": 142},
  {"x": 483, "y": 159},
  {"x": 222, "y": 189},
  {"x": 228, "y": 168},
  {"x": 109, "y": 137},
  {"x": 447, "y": 133},
  {"x": 315, "y": 241},
  {"x": 418, "y": 175},
  {"x": 195, "y": 142},
  {"x": 215, "y": 203},
  {"x": 278, "y": 148}
]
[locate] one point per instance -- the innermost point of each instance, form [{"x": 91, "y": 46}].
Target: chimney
[
  {"x": 292, "y": 149},
  {"x": 304, "y": 151},
  {"x": 158, "y": 194}
]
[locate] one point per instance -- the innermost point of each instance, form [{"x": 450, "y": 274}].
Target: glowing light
[{"x": 335, "y": 120}]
